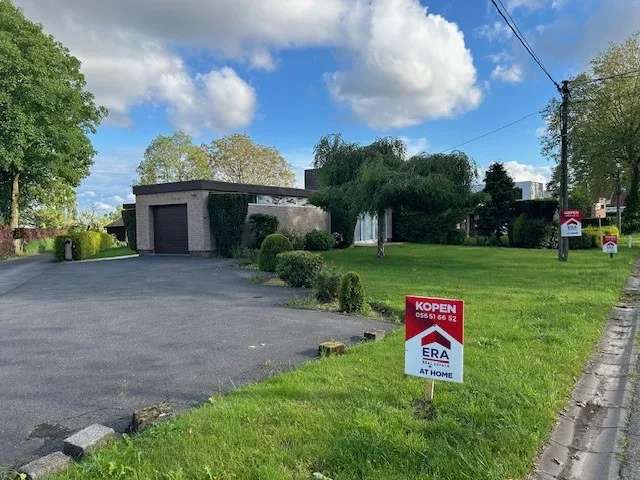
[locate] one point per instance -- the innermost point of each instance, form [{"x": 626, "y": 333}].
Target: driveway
[{"x": 89, "y": 342}]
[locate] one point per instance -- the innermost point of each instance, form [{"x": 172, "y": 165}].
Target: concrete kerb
[
  {"x": 121, "y": 257},
  {"x": 587, "y": 442}
]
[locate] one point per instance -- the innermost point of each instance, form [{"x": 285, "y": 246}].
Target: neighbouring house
[
  {"x": 529, "y": 190},
  {"x": 609, "y": 205},
  {"x": 173, "y": 217},
  {"x": 116, "y": 228}
]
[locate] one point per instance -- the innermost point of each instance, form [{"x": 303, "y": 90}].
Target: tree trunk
[
  {"x": 14, "y": 219},
  {"x": 382, "y": 232}
]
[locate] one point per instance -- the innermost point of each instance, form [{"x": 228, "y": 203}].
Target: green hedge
[
  {"x": 85, "y": 244},
  {"x": 129, "y": 219},
  {"x": 227, "y": 216},
  {"x": 318, "y": 240},
  {"x": 298, "y": 268},
  {"x": 271, "y": 247},
  {"x": 529, "y": 232},
  {"x": 262, "y": 225}
]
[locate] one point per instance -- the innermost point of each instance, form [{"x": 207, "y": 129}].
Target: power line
[
  {"x": 516, "y": 31},
  {"x": 495, "y": 130},
  {"x": 629, "y": 74}
]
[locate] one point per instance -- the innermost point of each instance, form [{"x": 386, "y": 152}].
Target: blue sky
[{"x": 435, "y": 72}]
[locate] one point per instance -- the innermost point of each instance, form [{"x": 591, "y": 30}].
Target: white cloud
[
  {"x": 509, "y": 74},
  {"x": 403, "y": 65},
  {"x": 407, "y": 66},
  {"x": 493, "y": 31},
  {"x": 415, "y": 145},
  {"x": 522, "y": 172},
  {"x": 526, "y": 4},
  {"x": 103, "y": 207}
]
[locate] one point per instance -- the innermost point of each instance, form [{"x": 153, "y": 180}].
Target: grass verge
[{"x": 531, "y": 323}]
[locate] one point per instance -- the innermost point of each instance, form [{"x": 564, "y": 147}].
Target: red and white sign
[
  {"x": 570, "y": 223},
  {"x": 434, "y": 338},
  {"x": 610, "y": 243}
]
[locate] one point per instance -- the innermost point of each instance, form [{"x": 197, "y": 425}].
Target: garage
[{"x": 170, "y": 229}]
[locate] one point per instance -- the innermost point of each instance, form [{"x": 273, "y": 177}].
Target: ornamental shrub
[
  {"x": 296, "y": 238},
  {"x": 298, "y": 268},
  {"x": 270, "y": 248},
  {"x": 597, "y": 233},
  {"x": 86, "y": 244},
  {"x": 456, "y": 237},
  {"x": 129, "y": 220},
  {"x": 528, "y": 232},
  {"x": 262, "y": 225},
  {"x": 227, "y": 216},
  {"x": 317, "y": 240},
  {"x": 351, "y": 295},
  {"x": 326, "y": 285},
  {"x": 587, "y": 240},
  {"x": 106, "y": 241}
]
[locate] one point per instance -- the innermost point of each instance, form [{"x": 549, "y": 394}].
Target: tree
[
  {"x": 497, "y": 211},
  {"x": 604, "y": 128},
  {"x": 46, "y": 114},
  {"x": 173, "y": 158},
  {"x": 236, "y": 158}
]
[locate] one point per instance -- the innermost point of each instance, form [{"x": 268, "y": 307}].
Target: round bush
[
  {"x": 298, "y": 268},
  {"x": 271, "y": 247},
  {"x": 326, "y": 285},
  {"x": 351, "y": 296},
  {"x": 317, "y": 240},
  {"x": 262, "y": 225}
]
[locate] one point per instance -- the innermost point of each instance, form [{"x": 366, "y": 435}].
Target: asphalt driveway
[{"x": 89, "y": 342}]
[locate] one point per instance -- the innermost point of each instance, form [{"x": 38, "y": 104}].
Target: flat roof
[{"x": 215, "y": 186}]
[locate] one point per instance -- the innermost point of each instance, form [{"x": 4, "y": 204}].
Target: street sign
[
  {"x": 434, "y": 338},
  {"x": 571, "y": 223},
  {"x": 610, "y": 244}
]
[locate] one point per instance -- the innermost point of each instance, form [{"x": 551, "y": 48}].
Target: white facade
[
  {"x": 531, "y": 190},
  {"x": 367, "y": 228}
]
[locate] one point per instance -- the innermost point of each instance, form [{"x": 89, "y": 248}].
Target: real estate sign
[
  {"x": 434, "y": 338},
  {"x": 610, "y": 244},
  {"x": 571, "y": 223}
]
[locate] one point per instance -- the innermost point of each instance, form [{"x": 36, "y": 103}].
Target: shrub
[
  {"x": 456, "y": 237},
  {"x": 296, "y": 239},
  {"x": 587, "y": 240},
  {"x": 227, "y": 216},
  {"x": 58, "y": 247},
  {"x": 597, "y": 233},
  {"x": 317, "y": 240},
  {"x": 6, "y": 241},
  {"x": 262, "y": 225},
  {"x": 326, "y": 285},
  {"x": 528, "y": 232},
  {"x": 106, "y": 241},
  {"x": 298, "y": 268},
  {"x": 86, "y": 244},
  {"x": 271, "y": 247},
  {"x": 129, "y": 220},
  {"x": 351, "y": 295}
]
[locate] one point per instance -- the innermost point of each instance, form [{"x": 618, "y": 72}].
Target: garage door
[{"x": 170, "y": 229}]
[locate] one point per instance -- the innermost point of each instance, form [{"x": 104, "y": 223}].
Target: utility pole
[
  {"x": 563, "y": 242},
  {"x": 618, "y": 195}
]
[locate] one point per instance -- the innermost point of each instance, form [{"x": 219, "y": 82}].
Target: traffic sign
[
  {"x": 610, "y": 244},
  {"x": 434, "y": 338},
  {"x": 571, "y": 223}
]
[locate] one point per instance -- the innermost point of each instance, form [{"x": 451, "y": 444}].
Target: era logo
[{"x": 435, "y": 354}]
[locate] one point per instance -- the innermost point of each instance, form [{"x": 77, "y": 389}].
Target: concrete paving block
[
  {"x": 331, "y": 348},
  {"x": 374, "y": 335},
  {"x": 553, "y": 459},
  {"x": 593, "y": 466},
  {"x": 87, "y": 440},
  {"x": 47, "y": 465}
]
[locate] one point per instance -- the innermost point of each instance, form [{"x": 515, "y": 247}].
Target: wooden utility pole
[
  {"x": 618, "y": 195},
  {"x": 563, "y": 242}
]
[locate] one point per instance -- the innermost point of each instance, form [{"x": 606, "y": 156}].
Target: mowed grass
[{"x": 530, "y": 324}]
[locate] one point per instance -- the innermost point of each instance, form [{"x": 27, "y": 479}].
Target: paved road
[
  {"x": 15, "y": 272},
  {"x": 88, "y": 342}
]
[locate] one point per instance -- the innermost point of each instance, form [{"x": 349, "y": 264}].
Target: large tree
[
  {"x": 46, "y": 113},
  {"x": 173, "y": 158},
  {"x": 604, "y": 128},
  {"x": 497, "y": 211},
  {"x": 236, "y": 158}
]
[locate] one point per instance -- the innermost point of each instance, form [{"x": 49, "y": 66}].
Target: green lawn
[{"x": 531, "y": 322}]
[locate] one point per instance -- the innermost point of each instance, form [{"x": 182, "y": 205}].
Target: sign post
[
  {"x": 610, "y": 244},
  {"x": 601, "y": 211},
  {"x": 571, "y": 223},
  {"x": 434, "y": 340}
]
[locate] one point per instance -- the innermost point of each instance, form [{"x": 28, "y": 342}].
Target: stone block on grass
[
  {"x": 44, "y": 466},
  {"x": 87, "y": 440},
  {"x": 374, "y": 335},
  {"x": 147, "y": 416},
  {"x": 331, "y": 348}
]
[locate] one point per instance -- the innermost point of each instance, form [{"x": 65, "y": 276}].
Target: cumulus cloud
[
  {"x": 415, "y": 145},
  {"x": 493, "y": 31},
  {"x": 403, "y": 65},
  {"x": 509, "y": 74},
  {"x": 407, "y": 66},
  {"x": 522, "y": 172}
]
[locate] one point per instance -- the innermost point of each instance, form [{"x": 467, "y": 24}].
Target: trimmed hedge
[
  {"x": 326, "y": 285},
  {"x": 597, "y": 233},
  {"x": 271, "y": 247},
  {"x": 85, "y": 244},
  {"x": 6, "y": 241},
  {"x": 319, "y": 240},
  {"x": 351, "y": 295},
  {"x": 529, "y": 232},
  {"x": 298, "y": 268},
  {"x": 262, "y": 225},
  {"x": 227, "y": 217},
  {"x": 583, "y": 242},
  {"x": 129, "y": 219}
]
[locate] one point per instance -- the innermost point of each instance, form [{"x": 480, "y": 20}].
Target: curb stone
[
  {"x": 87, "y": 440},
  {"x": 43, "y": 466},
  {"x": 588, "y": 440}
]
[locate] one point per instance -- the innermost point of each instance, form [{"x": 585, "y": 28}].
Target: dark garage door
[{"x": 170, "y": 229}]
